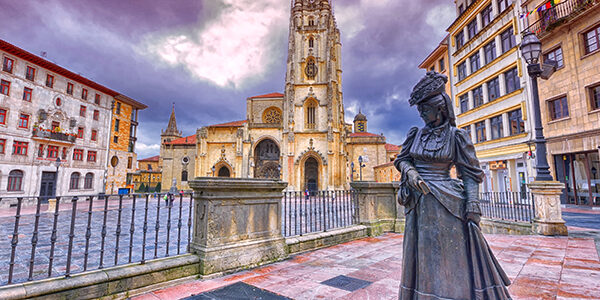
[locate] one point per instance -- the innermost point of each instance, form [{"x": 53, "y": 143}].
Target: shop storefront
[{"x": 580, "y": 172}]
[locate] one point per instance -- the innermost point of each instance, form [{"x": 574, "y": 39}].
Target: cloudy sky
[{"x": 208, "y": 56}]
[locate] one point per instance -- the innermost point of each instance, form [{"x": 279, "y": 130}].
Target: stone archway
[
  {"x": 266, "y": 159},
  {"x": 311, "y": 174},
  {"x": 224, "y": 172}
]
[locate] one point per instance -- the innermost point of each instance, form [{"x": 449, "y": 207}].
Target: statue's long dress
[{"x": 444, "y": 258}]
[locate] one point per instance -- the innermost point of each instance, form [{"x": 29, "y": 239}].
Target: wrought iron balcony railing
[
  {"x": 58, "y": 136},
  {"x": 562, "y": 12}
]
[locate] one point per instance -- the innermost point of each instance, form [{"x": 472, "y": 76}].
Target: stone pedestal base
[
  {"x": 548, "y": 216},
  {"x": 377, "y": 206}
]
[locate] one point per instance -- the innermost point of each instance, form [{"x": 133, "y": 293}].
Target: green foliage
[
  {"x": 142, "y": 188},
  {"x": 158, "y": 188}
]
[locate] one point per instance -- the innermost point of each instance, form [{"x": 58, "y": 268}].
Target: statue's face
[{"x": 429, "y": 113}]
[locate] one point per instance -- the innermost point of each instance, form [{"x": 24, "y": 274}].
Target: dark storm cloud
[{"x": 383, "y": 43}]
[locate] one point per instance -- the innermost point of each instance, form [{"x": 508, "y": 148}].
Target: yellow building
[
  {"x": 123, "y": 130},
  {"x": 570, "y": 99},
  {"x": 438, "y": 61},
  {"x": 147, "y": 178}
]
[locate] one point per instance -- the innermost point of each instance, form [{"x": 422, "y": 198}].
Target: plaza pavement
[{"x": 539, "y": 267}]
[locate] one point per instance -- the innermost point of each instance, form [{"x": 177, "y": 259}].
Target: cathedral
[{"x": 299, "y": 136}]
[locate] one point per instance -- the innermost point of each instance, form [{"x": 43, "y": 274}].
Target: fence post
[
  {"x": 237, "y": 223},
  {"x": 548, "y": 216},
  {"x": 378, "y": 208}
]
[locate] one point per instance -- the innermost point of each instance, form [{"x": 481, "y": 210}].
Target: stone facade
[
  {"x": 490, "y": 91},
  {"x": 570, "y": 114}
]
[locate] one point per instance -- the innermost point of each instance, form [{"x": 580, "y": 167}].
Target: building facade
[
  {"x": 299, "y": 136},
  {"x": 54, "y": 126},
  {"x": 438, "y": 60},
  {"x": 490, "y": 91},
  {"x": 570, "y": 100},
  {"x": 148, "y": 176}
]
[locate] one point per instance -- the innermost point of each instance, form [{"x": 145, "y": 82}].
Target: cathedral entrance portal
[
  {"x": 266, "y": 160},
  {"x": 224, "y": 172},
  {"x": 311, "y": 174}
]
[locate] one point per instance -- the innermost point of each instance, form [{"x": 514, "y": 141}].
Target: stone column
[
  {"x": 548, "y": 216},
  {"x": 378, "y": 209},
  {"x": 237, "y": 223}
]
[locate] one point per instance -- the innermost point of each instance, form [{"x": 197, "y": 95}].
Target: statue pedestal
[
  {"x": 237, "y": 223},
  {"x": 548, "y": 216}
]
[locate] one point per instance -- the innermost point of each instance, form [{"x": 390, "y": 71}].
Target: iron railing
[
  {"x": 556, "y": 15},
  {"x": 318, "y": 211},
  {"x": 509, "y": 206},
  {"x": 82, "y": 233}
]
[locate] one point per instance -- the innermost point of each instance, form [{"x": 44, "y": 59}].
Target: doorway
[
  {"x": 48, "y": 185},
  {"x": 311, "y": 174},
  {"x": 266, "y": 160}
]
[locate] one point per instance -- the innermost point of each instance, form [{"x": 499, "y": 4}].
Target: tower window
[
  {"x": 311, "y": 22},
  {"x": 311, "y": 114},
  {"x": 311, "y": 68},
  {"x": 311, "y": 42}
]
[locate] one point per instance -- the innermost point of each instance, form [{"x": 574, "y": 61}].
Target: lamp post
[
  {"x": 57, "y": 164},
  {"x": 213, "y": 170},
  {"x": 361, "y": 165},
  {"x": 279, "y": 172},
  {"x": 531, "y": 48},
  {"x": 352, "y": 170}
]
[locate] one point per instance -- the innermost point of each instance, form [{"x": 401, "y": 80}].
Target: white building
[{"x": 48, "y": 113}]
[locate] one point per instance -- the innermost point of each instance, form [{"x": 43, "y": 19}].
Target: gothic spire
[{"x": 172, "y": 126}]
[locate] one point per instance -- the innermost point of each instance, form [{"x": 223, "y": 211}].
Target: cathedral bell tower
[{"x": 313, "y": 121}]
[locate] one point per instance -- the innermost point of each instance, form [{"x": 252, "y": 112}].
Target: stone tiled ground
[{"x": 540, "y": 268}]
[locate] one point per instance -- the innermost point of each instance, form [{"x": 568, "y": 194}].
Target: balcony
[
  {"x": 55, "y": 136},
  {"x": 559, "y": 14}
]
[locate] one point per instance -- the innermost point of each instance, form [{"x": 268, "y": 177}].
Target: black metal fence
[
  {"x": 509, "y": 206},
  {"x": 82, "y": 233},
  {"x": 318, "y": 211}
]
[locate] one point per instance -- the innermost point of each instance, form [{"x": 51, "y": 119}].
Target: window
[
  {"x": 64, "y": 153},
  {"x": 489, "y": 51},
  {"x": 459, "y": 39},
  {"x": 513, "y": 82},
  {"x": 88, "y": 182},
  {"x": 52, "y": 151},
  {"x": 78, "y": 154},
  {"x": 311, "y": 22},
  {"x": 41, "y": 151},
  {"x": 97, "y": 99},
  {"x": 503, "y": 4},
  {"x": 478, "y": 96},
  {"x": 69, "y": 88},
  {"x": 475, "y": 65},
  {"x": 58, "y": 101},
  {"x": 508, "y": 39},
  {"x": 480, "y": 131},
  {"x": 555, "y": 55},
  {"x": 129, "y": 162},
  {"x": 559, "y": 108},
  {"x": 116, "y": 139},
  {"x": 15, "y": 178},
  {"x": 462, "y": 71},
  {"x": 311, "y": 42},
  {"x": 27, "y": 94},
  {"x": 2, "y": 146},
  {"x": 20, "y": 148},
  {"x": 94, "y": 135},
  {"x": 7, "y": 65},
  {"x": 23, "y": 121},
  {"x": 486, "y": 16},
  {"x": 442, "y": 64},
  {"x": 2, "y": 116},
  {"x": 117, "y": 122},
  {"x": 82, "y": 110},
  {"x": 80, "y": 132},
  {"x": 472, "y": 28},
  {"x": 493, "y": 89},
  {"x": 49, "y": 81},
  {"x": 91, "y": 156},
  {"x": 517, "y": 125},
  {"x": 84, "y": 94},
  {"x": 149, "y": 167},
  {"x": 461, "y": 9},
  {"x": 184, "y": 175},
  {"x": 55, "y": 125},
  {"x": 592, "y": 40},
  {"x": 74, "y": 182},
  {"x": 464, "y": 103},
  {"x": 311, "y": 114},
  {"x": 5, "y": 87},
  {"x": 497, "y": 131},
  {"x": 118, "y": 110},
  {"x": 594, "y": 97},
  {"x": 30, "y": 73}
]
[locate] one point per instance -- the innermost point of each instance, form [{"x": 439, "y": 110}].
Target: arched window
[
  {"x": 184, "y": 175},
  {"x": 311, "y": 42},
  {"x": 88, "y": 182},
  {"x": 224, "y": 172},
  {"x": 15, "y": 179},
  {"x": 311, "y": 22},
  {"x": 311, "y": 114},
  {"x": 311, "y": 68},
  {"x": 74, "y": 182},
  {"x": 272, "y": 115}
]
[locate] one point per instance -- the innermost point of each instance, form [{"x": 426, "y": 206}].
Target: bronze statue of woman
[{"x": 445, "y": 254}]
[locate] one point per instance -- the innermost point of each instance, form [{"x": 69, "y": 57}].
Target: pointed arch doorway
[
  {"x": 311, "y": 174},
  {"x": 266, "y": 160}
]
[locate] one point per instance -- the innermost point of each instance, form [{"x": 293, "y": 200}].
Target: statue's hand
[
  {"x": 475, "y": 217},
  {"x": 413, "y": 179}
]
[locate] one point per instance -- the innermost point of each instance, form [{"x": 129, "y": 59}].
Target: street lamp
[
  {"x": 279, "y": 172},
  {"x": 361, "y": 165},
  {"x": 352, "y": 170},
  {"x": 213, "y": 170},
  {"x": 57, "y": 164},
  {"x": 531, "y": 48}
]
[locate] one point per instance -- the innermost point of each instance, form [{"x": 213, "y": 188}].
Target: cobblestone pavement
[
  {"x": 130, "y": 241},
  {"x": 539, "y": 267}
]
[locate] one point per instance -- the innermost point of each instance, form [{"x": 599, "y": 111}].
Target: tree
[
  {"x": 142, "y": 188},
  {"x": 158, "y": 188}
]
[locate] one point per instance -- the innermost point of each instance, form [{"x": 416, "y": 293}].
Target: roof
[
  {"x": 32, "y": 58},
  {"x": 231, "y": 124},
  {"x": 391, "y": 163},
  {"x": 437, "y": 52},
  {"x": 271, "y": 95},
  {"x": 153, "y": 158},
  {"x": 188, "y": 140},
  {"x": 391, "y": 147},
  {"x": 360, "y": 117},
  {"x": 363, "y": 134}
]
